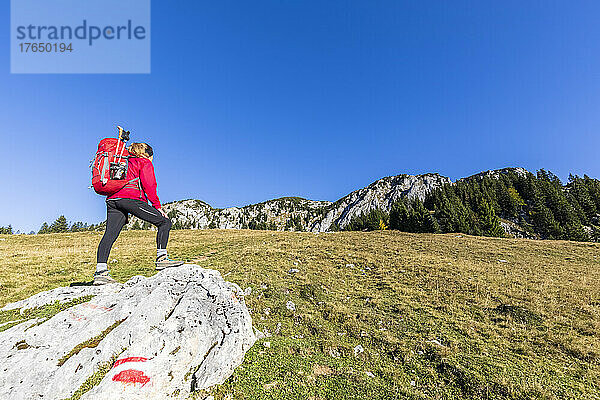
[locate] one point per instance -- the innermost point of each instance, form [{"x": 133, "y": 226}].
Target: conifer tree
[
  {"x": 490, "y": 224},
  {"x": 544, "y": 222},
  {"x": 368, "y": 221},
  {"x": 44, "y": 229},
  {"x": 59, "y": 225},
  {"x": 399, "y": 216},
  {"x": 420, "y": 219},
  {"x": 446, "y": 216},
  {"x": 78, "y": 227}
]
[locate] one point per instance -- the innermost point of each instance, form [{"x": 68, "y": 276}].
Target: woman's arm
[{"x": 148, "y": 181}]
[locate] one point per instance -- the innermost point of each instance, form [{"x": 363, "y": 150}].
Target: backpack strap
[{"x": 105, "y": 166}]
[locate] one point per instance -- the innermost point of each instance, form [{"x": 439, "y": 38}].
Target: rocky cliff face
[
  {"x": 288, "y": 213},
  {"x": 297, "y": 214},
  {"x": 381, "y": 194}
]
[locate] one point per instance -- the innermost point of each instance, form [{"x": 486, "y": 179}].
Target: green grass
[
  {"x": 95, "y": 378},
  {"x": 438, "y": 316},
  {"x": 14, "y": 317},
  {"x": 90, "y": 343}
]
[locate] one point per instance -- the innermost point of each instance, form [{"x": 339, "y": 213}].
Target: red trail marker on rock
[
  {"x": 132, "y": 376},
  {"x": 129, "y": 359}
]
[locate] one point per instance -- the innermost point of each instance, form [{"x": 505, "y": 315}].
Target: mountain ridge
[
  {"x": 300, "y": 214},
  {"x": 509, "y": 202}
]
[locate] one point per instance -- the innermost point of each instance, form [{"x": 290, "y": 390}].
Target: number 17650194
[{"x": 46, "y": 47}]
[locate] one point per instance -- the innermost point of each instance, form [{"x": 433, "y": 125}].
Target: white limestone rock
[
  {"x": 61, "y": 294},
  {"x": 183, "y": 329}
]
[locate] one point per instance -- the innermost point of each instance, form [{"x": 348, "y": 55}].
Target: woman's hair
[{"x": 141, "y": 150}]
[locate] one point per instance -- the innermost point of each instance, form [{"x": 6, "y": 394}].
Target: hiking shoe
[
  {"x": 163, "y": 262},
  {"x": 103, "y": 279}
]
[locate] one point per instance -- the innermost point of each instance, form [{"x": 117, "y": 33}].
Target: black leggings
[{"x": 117, "y": 212}]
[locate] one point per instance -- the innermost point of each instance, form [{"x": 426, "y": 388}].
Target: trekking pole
[{"x": 120, "y": 139}]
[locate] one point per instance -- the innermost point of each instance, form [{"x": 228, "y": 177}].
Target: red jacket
[{"x": 143, "y": 169}]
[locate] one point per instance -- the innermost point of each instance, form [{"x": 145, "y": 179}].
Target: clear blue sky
[{"x": 249, "y": 101}]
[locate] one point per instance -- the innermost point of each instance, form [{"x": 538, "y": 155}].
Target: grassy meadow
[{"x": 375, "y": 315}]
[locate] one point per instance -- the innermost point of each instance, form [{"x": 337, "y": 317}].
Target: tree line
[
  {"x": 539, "y": 204},
  {"x": 61, "y": 225}
]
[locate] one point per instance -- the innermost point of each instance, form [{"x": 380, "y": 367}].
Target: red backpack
[{"x": 109, "y": 167}]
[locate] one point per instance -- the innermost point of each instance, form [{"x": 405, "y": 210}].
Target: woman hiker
[{"x": 133, "y": 199}]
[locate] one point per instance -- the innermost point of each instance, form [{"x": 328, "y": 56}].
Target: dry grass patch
[{"x": 436, "y": 316}]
